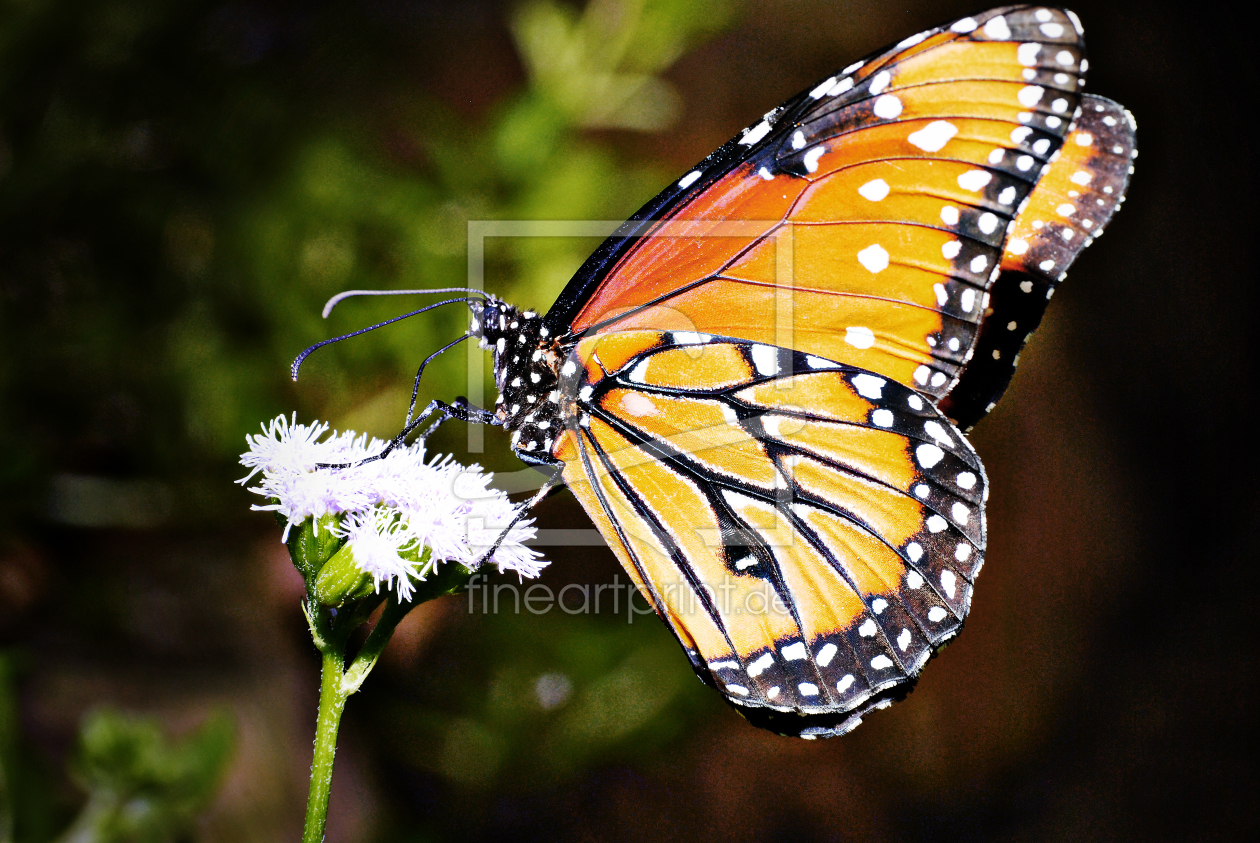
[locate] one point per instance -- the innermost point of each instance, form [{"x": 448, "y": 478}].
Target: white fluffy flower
[
  {"x": 390, "y": 505},
  {"x": 378, "y": 538}
]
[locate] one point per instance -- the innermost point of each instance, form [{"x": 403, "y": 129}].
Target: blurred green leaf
[{"x": 141, "y": 786}]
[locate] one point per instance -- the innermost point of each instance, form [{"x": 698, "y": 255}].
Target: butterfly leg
[
  {"x": 461, "y": 410},
  {"x": 549, "y": 486}
]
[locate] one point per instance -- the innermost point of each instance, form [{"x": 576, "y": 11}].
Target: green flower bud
[
  {"x": 341, "y": 579},
  {"x": 312, "y": 544}
]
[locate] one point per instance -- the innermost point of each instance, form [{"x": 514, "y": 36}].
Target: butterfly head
[{"x": 527, "y": 360}]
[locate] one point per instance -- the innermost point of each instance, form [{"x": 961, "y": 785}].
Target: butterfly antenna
[
  {"x": 345, "y": 294},
  {"x": 297, "y": 363}
]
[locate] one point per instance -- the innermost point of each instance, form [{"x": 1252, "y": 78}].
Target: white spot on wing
[
  {"x": 949, "y": 582},
  {"x": 690, "y": 179},
  {"x": 874, "y": 258},
  {"x": 903, "y": 639},
  {"x": 858, "y": 336},
  {"x": 689, "y": 337},
  {"x": 936, "y": 614},
  {"x": 639, "y": 373},
  {"x": 911, "y": 41},
  {"x": 874, "y": 190},
  {"x": 974, "y": 180},
  {"x": 933, "y": 136},
  {"x": 933, "y": 428},
  {"x": 826, "y": 654},
  {"x": 964, "y": 26},
  {"x": 807, "y": 689},
  {"x": 759, "y": 666},
  {"x": 823, "y": 88},
  {"x": 755, "y": 134},
  {"x": 1027, "y": 54},
  {"x": 882, "y": 418},
  {"x": 881, "y": 662},
  {"x": 811, "y": 158},
  {"x": 928, "y": 455},
  {"x": 1030, "y": 95},
  {"x": 997, "y": 29},
  {"x": 867, "y": 629},
  {"x": 794, "y": 652},
  {"x": 966, "y": 480},
  {"x": 766, "y": 359},
  {"x": 638, "y": 405},
  {"x": 869, "y": 386},
  {"x": 887, "y": 107},
  {"x": 880, "y": 82},
  {"x": 845, "y": 683}
]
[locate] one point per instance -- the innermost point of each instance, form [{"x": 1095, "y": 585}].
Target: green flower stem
[
  {"x": 335, "y": 687},
  {"x": 332, "y": 702},
  {"x": 330, "y": 630},
  {"x": 366, "y": 658}
]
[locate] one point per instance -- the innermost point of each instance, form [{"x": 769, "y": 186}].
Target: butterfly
[{"x": 757, "y": 387}]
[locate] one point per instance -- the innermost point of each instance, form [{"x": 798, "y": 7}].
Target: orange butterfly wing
[
  {"x": 765, "y": 357},
  {"x": 866, "y": 220},
  {"x": 809, "y": 531}
]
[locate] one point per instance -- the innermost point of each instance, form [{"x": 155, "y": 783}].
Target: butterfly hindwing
[{"x": 810, "y": 531}]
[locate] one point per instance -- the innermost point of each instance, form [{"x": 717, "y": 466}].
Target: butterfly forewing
[
  {"x": 1070, "y": 206},
  {"x": 864, "y": 221},
  {"x": 809, "y": 531}
]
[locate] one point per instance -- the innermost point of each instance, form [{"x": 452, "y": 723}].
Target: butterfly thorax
[{"x": 527, "y": 360}]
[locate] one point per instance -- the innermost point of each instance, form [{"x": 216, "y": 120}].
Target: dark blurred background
[{"x": 183, "y": 184}]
